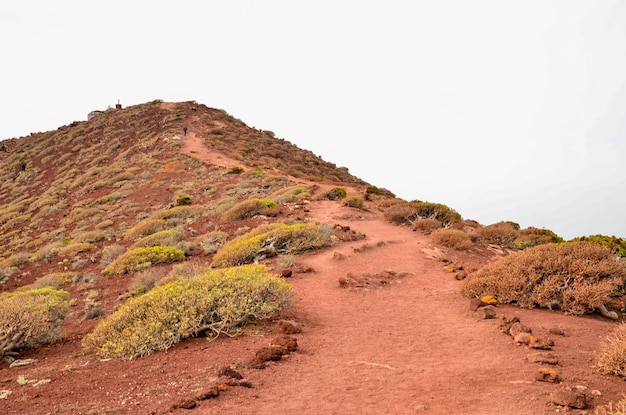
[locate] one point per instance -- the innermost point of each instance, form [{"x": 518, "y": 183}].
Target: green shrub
[
  {"x": 334, "y": 194},
  {"x": 578, "y": 277},
  {"x": 618, "y": 245},
  {"x": 31, "y": 318},
  {"x": 531, "y": 236},
  {"x": 611, "y": 360},
  {"x": 168, "y": 237},
  {"x": 140, "y": 258},
  {"x": 144, "y": 228},
  {"x": 376, "y": 191},
  {"x": 249, "y": 208},
  {"x": 452, "y": 238},
  {"x": 235, "y": 170},
  {"x": 215, "y": 302},
  {"x": 354, "y": 201},
  {"x": 271, "y": 240},
  {"x": 183, "y": 200}
]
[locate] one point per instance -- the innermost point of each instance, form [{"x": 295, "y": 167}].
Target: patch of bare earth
[{"x": 399, "y": 340}]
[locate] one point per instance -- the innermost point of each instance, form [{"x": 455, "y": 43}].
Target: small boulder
[
  {"x": 210, "y": 393},
  {"x": 543, "y": 358},
  {"x": 523, "y": 338},
  {"x": 289, "y": 327},
  {"x": 185, "y": 404},
  {"x": 517, "y": 328},
  {"x": 506, "y": 323},
  {"x": 569, "y": 398},
  {"x": 557, "y": 331},
  {"x": 540, "y": 344},
  {"x": 288, "y": 342},
  {"x": 272, "y": 353},
  {"x": 230, "y": 373},
  {"x": 548, "y": 375},
  {"x": 286, "y": 273},
  {"x": 487, "y": 312}
]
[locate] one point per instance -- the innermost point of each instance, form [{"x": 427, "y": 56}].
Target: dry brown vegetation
[{"x": 578, "y": 277}]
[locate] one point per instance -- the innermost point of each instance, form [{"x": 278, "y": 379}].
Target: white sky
[{"x": 502, "y": 110}]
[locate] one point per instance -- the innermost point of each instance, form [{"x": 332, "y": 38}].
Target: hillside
[{"x": 381, "y": 324}]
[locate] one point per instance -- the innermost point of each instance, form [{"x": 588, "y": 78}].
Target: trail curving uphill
[{"x": 409, "y": 346}]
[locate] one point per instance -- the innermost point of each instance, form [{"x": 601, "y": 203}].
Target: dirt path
[
  {"x": 410, "y": 347},
  {"x": 193, "y": 146}
]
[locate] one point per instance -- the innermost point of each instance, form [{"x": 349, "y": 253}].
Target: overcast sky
[{"x": 502, "y": 110}]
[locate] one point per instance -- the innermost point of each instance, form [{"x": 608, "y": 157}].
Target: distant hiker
[{"x": 185, "y": 131}]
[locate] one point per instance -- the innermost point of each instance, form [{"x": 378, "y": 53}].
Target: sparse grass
[
  {"x": 427, "y": 225},
  {"x": 213, "y": 241},
  {"x": 578, "y": 277},
  {"x": 618, "y": 408},
  {"x": 290, "y": 194},
  {"x": 111, "y": 253},
  {"x": 452, "y": 238},
  {"x": 611, "y": 360},
  {"x": 249, "y": 208},
  {"x": 216, "y": 302}
]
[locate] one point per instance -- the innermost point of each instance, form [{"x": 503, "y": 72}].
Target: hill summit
[{"x": 90, "y": 180}]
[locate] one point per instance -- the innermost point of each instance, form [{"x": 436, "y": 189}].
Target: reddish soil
[{"x": 397, "y": 339}]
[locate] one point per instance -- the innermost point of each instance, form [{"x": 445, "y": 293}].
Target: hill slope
[{"x": 384, "y": 328}]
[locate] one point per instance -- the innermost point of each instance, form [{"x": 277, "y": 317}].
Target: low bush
[
  {"x": 427, "y": 225},
  {"x": 502, "y": 233},
  {"x": 168, "y": 237},
  {"x": 618, "y": 245},
  {"x": 291, "y": 193},
  {"x": 140, "y": 258},
  {"x": 334, "y": 194},
  {"x": 179, "y": 212},
  {"x": 144, "y": 228},
  {"x": 578, "y": 277},
  {"x": 54, "y": 280},
  {"x": 75, "y": 248},
  {"x": 271, "y": 240},
  {"x": 183, "y": 200},
  {"x": 249, "y": 208},
  {"x": 110, "y": 253},
  {"x": 406, "y": 213},
  {"x": 611, "y": 360},
  {"x": 452, "y": 238},
  {"x": 531, "y": 236},
  {"x": 31, "y": 318},
  {"x": 215, "y": 302},
  {"x": 355, "y": 202},
  {"x": 213, "y": 241}
]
